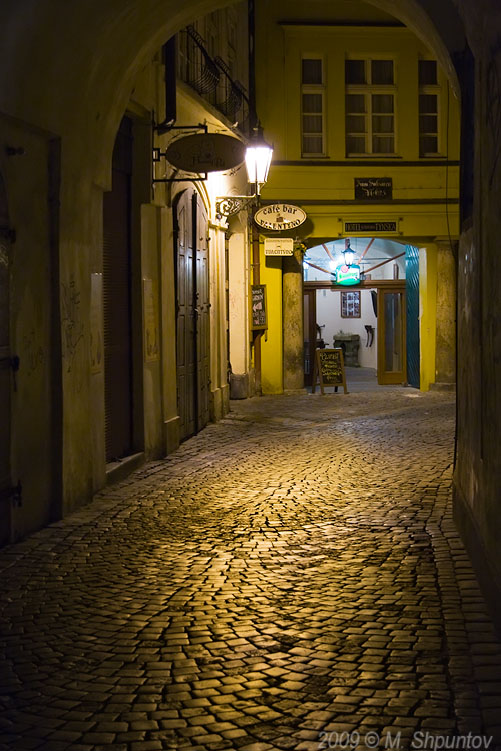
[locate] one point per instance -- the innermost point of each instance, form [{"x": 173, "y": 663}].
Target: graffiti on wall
[
  {"x": 34, "y": 355},
  {"x": 73, "y": 328}
]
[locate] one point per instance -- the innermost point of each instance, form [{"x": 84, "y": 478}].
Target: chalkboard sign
[
  {"x": 329, "y": 369},
  {"x": 259, "y": 312}
]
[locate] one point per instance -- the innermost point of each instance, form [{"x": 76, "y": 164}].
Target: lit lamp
[
  {"x": 258, "y": 159},
  {"x": 257, "y": 163},
  {"x": 349, "y": 272},
  {"x": 349, "y": 254}
]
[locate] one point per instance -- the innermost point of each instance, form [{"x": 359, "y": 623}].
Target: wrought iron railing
[{"x": 211, "y": 79}]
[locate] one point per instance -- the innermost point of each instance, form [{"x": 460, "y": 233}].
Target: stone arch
[{"x": 79, "y": 71}]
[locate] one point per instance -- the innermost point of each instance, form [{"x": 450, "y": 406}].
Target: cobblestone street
[{"x": 290, "y": 578}]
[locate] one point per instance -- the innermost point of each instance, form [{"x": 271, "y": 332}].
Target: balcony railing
[{"x": 211, "y": 79}]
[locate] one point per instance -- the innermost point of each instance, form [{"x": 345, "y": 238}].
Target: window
[
  {"x": 369, "y": 107},
  {"x": 312, "y": 107},
  {"x": 428, "y": 108}
]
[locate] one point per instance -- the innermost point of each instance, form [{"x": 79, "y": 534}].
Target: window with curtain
[
  {"x": 312, "y": 107},
  {"x": 428, "y": 108},
  {"x": 369, "y": 107}
]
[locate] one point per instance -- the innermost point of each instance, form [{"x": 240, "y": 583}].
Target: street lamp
[
  {"x": 258, "y": 159},
  {"x": 257, "y": 163}
]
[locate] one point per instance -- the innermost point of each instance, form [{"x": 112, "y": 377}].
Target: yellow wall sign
[
  {"x": 283, "y": 246},
  {"x": 280, "y": 216}
]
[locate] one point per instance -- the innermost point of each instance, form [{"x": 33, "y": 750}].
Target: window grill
[{"x": 211, "y": 78}]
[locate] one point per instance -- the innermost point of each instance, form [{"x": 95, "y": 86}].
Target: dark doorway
[
  {"x": 309, "y": 333},
  {"x": 192, "y": 313},
  {"x": 117, "y": 299},
  {"x": 5, "y": 372}
]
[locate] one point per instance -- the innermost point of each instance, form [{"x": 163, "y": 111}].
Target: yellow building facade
[{"x": 365, "y": 129}]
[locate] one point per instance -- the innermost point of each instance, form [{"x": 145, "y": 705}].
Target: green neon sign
[{"x": 347, "y": 275}]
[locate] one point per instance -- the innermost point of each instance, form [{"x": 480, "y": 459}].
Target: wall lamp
[{"x": 257, "y": 163}]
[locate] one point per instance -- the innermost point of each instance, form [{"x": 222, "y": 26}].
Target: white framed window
[
  {"x": 428, "y": 108},
  {"x": 312, "y": 107},
  {"x": 369, "y": 107}
]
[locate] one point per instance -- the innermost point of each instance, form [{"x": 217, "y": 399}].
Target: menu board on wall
[{"x": 259, "y": 315}]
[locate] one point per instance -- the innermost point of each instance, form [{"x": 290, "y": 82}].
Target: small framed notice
[
  {"x": 259, "y": 313},
  {"x": 328, "y": 368},
  {"x": 350, "y": 304}
]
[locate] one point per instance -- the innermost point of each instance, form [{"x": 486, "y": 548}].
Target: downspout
[
  {"x": 253, "y": 121},
  {"x": 169, "y": 51}
]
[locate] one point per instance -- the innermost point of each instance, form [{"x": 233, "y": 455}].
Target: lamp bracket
[
  {"x": 158, "y": 154},
  {"x": 231, "y": 205}
]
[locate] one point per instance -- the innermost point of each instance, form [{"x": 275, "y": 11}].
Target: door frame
[
  {"x": 193, "y": 401},
  {"x": 393, "y": 285},
  {"x": 310, "y": 295},
  {"x": 398, "y": 376}
]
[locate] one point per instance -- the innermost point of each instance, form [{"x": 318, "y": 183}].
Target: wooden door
[
  {"x": 5, "y": 372},
  {"x": 117, "y": 300},
  {"x": 309, "y": 333},
  {"x": 202, "y": 306},
  {"x": 185, "y": 319},
  {"x": 192, "y": 314},
  {"x": 391, "y": 309}
]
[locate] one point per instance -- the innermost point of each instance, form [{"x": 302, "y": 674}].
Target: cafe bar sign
[{"x": 280, "y": 216}]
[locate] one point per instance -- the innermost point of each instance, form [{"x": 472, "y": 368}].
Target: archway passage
[{"x": 375, "y": 320}]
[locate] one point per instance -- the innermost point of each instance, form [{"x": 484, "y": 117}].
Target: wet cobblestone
[{"x": 289, "y": 574}]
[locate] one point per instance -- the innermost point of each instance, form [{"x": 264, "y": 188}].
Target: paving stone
[{"x": 292, "y": 569}]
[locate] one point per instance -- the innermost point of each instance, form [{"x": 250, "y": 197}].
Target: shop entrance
[
  {"x": 192, "y": 313},
  {"x": 367, "y": 319}
]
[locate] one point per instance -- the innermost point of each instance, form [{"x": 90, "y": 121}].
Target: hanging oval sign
[
  {"x": 206, "y": 152},
  {"x": 280, "y": 216}
]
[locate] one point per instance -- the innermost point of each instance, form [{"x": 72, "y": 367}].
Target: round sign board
[
  {"x": 206, "y": 152},
  {"x": 280, "y": 216}
]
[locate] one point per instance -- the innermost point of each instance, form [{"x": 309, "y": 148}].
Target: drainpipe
[
  {"x": 169, "y": 61},
  {"x": 256, "y": 278},
  {"x": 253, "y": 121}
]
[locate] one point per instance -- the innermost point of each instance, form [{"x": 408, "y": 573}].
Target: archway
[
  {"x": 100, "y": 50},
  {"x": 79, "y": 90}
]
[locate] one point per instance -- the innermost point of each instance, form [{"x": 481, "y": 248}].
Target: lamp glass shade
[
  {"x": 349, "y": 256},
  {"x": 257, "y": 161}
]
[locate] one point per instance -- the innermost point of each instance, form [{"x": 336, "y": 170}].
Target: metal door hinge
[
  {"x": 16, "y": 495},
  {"x": 12, "y": 495},
  {"x": 8, "y": 233},
  {"x": 14, "y": 364}
]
